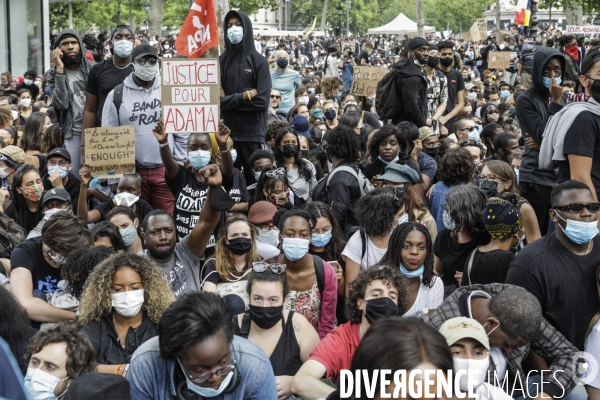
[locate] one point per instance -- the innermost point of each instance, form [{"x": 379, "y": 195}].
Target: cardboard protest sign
[
  {"x": 498, "y": 59},
  {"x": 348, "y": 44},
  {"x": 479, "y": 30},
  {"x": 110, "y": 151},
  {"x": 366, "y": 79},
  {"x": 190, "y": 95},
  {"x": 582, "y": 30}
]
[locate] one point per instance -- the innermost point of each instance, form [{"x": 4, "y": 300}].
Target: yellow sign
[{"x": 110, "y": 151}]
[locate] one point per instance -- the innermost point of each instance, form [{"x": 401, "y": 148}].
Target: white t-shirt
[
  {"x": 592, "y": 346},
  {"x": 428, "y": 297},
  {"x": 353, "y": 251}
]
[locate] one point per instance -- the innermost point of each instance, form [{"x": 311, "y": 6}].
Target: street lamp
[
  {"x": 147, "y": 9},
  {"x": 340, "y": 11}
]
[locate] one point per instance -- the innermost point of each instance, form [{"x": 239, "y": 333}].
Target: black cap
[
  {"x": 417, "y": 42},
  {"x": 60, "y": 151},
  {"x": 99, "y": 386},
  {"x": 56, "y": 194},
  {"x": 143, "y": 50}
]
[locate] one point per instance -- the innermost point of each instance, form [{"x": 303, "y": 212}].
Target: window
[{"x": 266, "y": 15}]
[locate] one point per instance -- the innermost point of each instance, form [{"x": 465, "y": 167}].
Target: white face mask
[
  {"x": 271, "y": 237},
  {"x": 25, "y": 103},
  {"x": 15, "y": 114},
  {"x": 51, "y": 212},
  {"x": 3, "y": 173},
  {"x": 128, "y": 304},
  {"x": 478, "y": 370},
  {"x": 303, "y": 99},
  {"x": 126, "y": 199},
  {"x": 41, "y": 385}
]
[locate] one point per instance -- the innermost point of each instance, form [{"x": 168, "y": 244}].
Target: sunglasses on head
[
  {"x": 578, "y": 207},
  {"x": 261, "y": 267},
  {"x": 274, "y": 172}
]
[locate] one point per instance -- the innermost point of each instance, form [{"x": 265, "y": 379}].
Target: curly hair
[
  {"x": 273, "y": 127},
  {"x": 344, "y": 143},
  {"x": 328, "y": 84},
  {"x": 377, "y": 209},
  {"x": 333, "y": 249},
  {"x": 260, "y": 154},
  {"x": 457, "y": 167},
  {"x": 383, "y": 133},
  {"x": 81, "y": 356},
  {"x": 80, "y": 264},
  {"x": 6, "y": 119},
  {"x": 393, "y": 255},
  {"x": 96, "y": 301},
  {"x": 53, "y": 138},
  {"x": 358, "y": 286}
]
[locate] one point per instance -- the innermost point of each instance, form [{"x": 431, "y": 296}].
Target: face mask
[
  {"x": 403, "y": 219},
  {"x": 416, "y": 62},
  {"x": 145, "y": 72},
  {"x": 62, "y": 170},
  {"x": 270, "y": 237},
  {"x": 304, "y": 153},
  {"x": 15, "y": 114},
  {"x": 240, "y": 246},
  {"x": 337, "y": 96},
  {"x": 433, "y": 62},
  {"x": 28, "y": 82},
  {"x": 446, "y": 61},
  {"x": 128, "y": 304},
  {"x": 3, "y": 173},
  {"x": 57, "y": 258},
  {"x": 594, "y": 88},
  {"x": 579, "y": 232},
  {"x": 330, "y": 114},
  {"x": 303, "y": 100},
  {"x": 41, "y": 385},
  {"x": 322, "y": 239},
  {"x": 265, "y": 317},
  {"x": 472, "y": 96},
  {"x": 448, "y": 221},
  {"x": 493, "y": 117},
  {"x": 412, "y": 274},
  {"x": 33, "y": 193},
  {"x": 468, "y": 109},
  {"x": 128, "y": 235},
  {"x": 25, "y": 103},
  {"x": 282, "y": 64},
  {"x": 123, "y": 48},
  {"x": 548, "y": 81},
  {"x": 294, "y": 248},
  {"x": 489, "y": 188},
  {"x": 573, "y": 51},
  {"x": 125, "y": 199},
  {"x": 199, "y": 158},
  {"x": 317, "y": 113},
  {"x": 389, "y": 162},
  {"x": 166, "y": 47},
  {"x": 233, "y": 155},
  {"x": 380, "y": 307},
  {"x": 208, "y": 392},
  {"x": 47, "y": 90},
  {"x": 505, "y": 94},
  {"x": 235, "y": 34},
  {"x": 517, "y": 174},
  {"x": 51, "y": 212},
  {"x": 289, "y": 150},
  {"x": 432, "y": 151},
  {"x": 280, "y": 201},
  {"x": 478, "y": 368}
]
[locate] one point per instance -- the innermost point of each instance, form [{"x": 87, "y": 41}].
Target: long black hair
[
  {"x": 32, "y": 135},
  {"x": 333, "y": 249},
  {"x": 19, "y": 205},
  {"x": 303, "y": 171},
  {"x": 15, "y": 321}
]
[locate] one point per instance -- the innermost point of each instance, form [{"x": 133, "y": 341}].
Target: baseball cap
[
  {"x": 60, "y": 151},
  {"x": 300, "y": 125},
  {"x": 261, "y": 212},
  {"x": 143, "y": 50},
  {"x": 13, "y": 155},
  {"x": 398, "y": 173},
  {"x": 458, "y": 328},
  {"x": 56, "y": 194},
  {"x": 469, "y": 86}
]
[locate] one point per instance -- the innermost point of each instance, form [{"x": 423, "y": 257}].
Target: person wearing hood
[
  {"x": 412, "y": 88},
  {"x": 246, "y": 87},
  {"x": 533, "y": 109},
  {"x": 67, "y": 82},
  {"x": 141, "y": 104}
]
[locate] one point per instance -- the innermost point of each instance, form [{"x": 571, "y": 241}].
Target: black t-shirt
[
  {"x": 32, "y": 218},
  {"x": 583, "y": 138},
  {"x": 488, "y": 267},
  {"x": 72, "y": 187},
  {"x": 103, "y": 78},
  {"x": 142, "y": 208},
  {"x": 456, "y": 83},
  {"x": 362, "y": 56},
  {"x": 564, "y": 283}
]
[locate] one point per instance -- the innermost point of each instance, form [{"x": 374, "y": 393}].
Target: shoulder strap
[
  {"x": 470, "y": 265},
  {"x": 245, "y": 328},
  {"x": 363, "y": 240},
  {"x": 342, "y": 168},
  {"x": 118, "y": 99},
  {"x": 320, "y": 273}
]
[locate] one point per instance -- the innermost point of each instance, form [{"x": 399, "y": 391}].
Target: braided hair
[{"x": 393, "y": 256}]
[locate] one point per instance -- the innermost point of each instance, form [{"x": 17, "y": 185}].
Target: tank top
[{"x": 285, "y": 359}]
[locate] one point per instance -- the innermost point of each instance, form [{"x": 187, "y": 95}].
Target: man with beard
[
  {"x": 456, "y": 88},
  {"x": 67, "y": 81}
]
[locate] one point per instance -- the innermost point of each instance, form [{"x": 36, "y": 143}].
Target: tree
[{"x": 252, "y": 6}]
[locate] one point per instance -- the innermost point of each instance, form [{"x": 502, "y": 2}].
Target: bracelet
[
  {"x": 161, "y": 145},
  {"x": 126, "y": 371},
  {"x": 235, "y": 207},
  {"x": 119, "y": 370},
  {"x": 248, "y": 94},
  {"x": 224, "y": 151}
]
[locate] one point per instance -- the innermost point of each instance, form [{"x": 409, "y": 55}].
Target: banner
[
  {"x": 366, "y": 79},
  {"x": 582, "y": 30},
  {"x": 110, "y": 151},
  {"x": 190, "y": 95},
  {"x": 498, "y": 59},
  {"x": 200, "y": 31}
]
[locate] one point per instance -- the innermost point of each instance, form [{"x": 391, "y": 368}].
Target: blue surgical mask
[
  {"x": 548, "y": 81},
  {"x": 505, "y": 94},
  {"x": 47, "y": 90},
  {"x": 128, "y": 235},
  {"x": 199, "y": 158},
  {"x": 402, "y": 219},
  {"x": 579, "y": 232},
  {"x": 449, "y": 223},
  {"x": 318, "y": 113},
  {"x": 62, "y": 170},
  {"x": 208, "y": 392},
  {"x": 337, "y": 96},
  {"x": 233, "y": 155},
  {"x": 235, "y": 34},
  {"x": 295, "y": 248},
  {"x": 389, "y": 162},
  {"x": 41, "y": 385},
  {"x": 123, "y": 48},
  {"x": 321, "y": 240},
  {"x": 412, "y": 274},
  {"x": 28, "y": 82},
  {"x": 257, "y": 175}
]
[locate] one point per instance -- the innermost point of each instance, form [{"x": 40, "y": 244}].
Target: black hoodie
[
  {"x": 412, "y": 101},
  {"x": 243, "y": 68},
  {"x": 534, "y": 108}
]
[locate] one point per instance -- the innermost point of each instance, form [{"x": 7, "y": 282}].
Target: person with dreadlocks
[{"x": 411, "y": 249}]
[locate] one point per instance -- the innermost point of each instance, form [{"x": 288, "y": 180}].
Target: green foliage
[
  {"x": 589, "y": 6},
  {"x": 252, "y": 6}
]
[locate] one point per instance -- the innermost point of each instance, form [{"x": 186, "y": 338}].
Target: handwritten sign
[
  {"x": 479, "y": 30},
  {"x": 582, "y": 30},
  {"x": 110, "y": 151},
  {"x": 498, "y": 59},
  {"x": 366, "y": 79},
  {"x": 190, "y": 95},
  {"x": 348, "y": 44}
]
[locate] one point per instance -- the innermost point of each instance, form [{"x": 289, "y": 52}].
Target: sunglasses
[
  {"x": 224, "y": 371},
  {"x": 275, "y": 97},
  {"x": 468, "y": 128},
  {"x": 143, "y": 61},
  {"x": 274, "y": 172},
  {"x": 261, "y": 267},
  {"x": 578, "y": 207}
]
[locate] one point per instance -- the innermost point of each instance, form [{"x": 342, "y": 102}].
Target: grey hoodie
[
  {"x": 62, "y": 96},
  {"x": 142, "y": 109}
]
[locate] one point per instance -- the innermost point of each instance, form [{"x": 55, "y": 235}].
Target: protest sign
[
  {"x": 190, "y": 95},
  {"x": 479, "y": 30},
  {"x": 348, "y": 44},
  {"x": 498, "y": 59},
  {"x": 366, "y": 79},
  {"x": 582, "y": 30},
  {"x": 110, "y": 151}
]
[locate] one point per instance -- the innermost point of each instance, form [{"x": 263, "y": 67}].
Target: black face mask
[
  {"x": 289, "y": 150},
  {"x": 363, "y": 131},
  {"x": 304, "y": 153},
  {"x": 595, "y": 89},
  {"x": 446, "y": 61},
  {"x": 433, "y": 151},
  {"x": 489, "y": 188},
  {"x": 381, "y": 307},
  {"x": 266, "y": 317},
  {"x": 433, "y": 61},
  {"x": 240, "y": 246}
]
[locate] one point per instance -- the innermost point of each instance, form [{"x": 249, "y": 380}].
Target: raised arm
[{"x": 171, "y": 166}]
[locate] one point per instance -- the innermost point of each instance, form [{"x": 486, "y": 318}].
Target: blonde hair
[
  {"x": 224, "y": 263},
  {"x": 328, "y": 84},
  {"x": 335, "y": 105}
]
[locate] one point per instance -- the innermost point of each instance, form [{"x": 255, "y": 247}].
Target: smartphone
[{"x": 334, "y": 264}]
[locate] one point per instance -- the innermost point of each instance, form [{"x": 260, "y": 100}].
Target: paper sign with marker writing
[
  {"x": 110, "y": 151},
  {"x": 366, "y": 79},
  {"x": 498, "y": 59},
  {"x": 190, "y": 95}
]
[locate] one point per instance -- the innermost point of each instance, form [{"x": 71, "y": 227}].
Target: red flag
[{"x": 199, "y": 31}]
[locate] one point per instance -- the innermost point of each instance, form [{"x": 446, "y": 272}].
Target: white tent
[{"x": 401, "y": 25}]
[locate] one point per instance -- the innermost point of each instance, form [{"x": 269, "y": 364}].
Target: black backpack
[
  {"x": 387, "y": 95},
  {"x": 118, "y": 99}
]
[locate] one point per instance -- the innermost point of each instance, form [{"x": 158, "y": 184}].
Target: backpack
[
  {"x": 11, "y": 235},
  {"x": 321, "y": 188},
  {"x": 386, "y": 96},
  {"x": 118, "y": 99}
]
